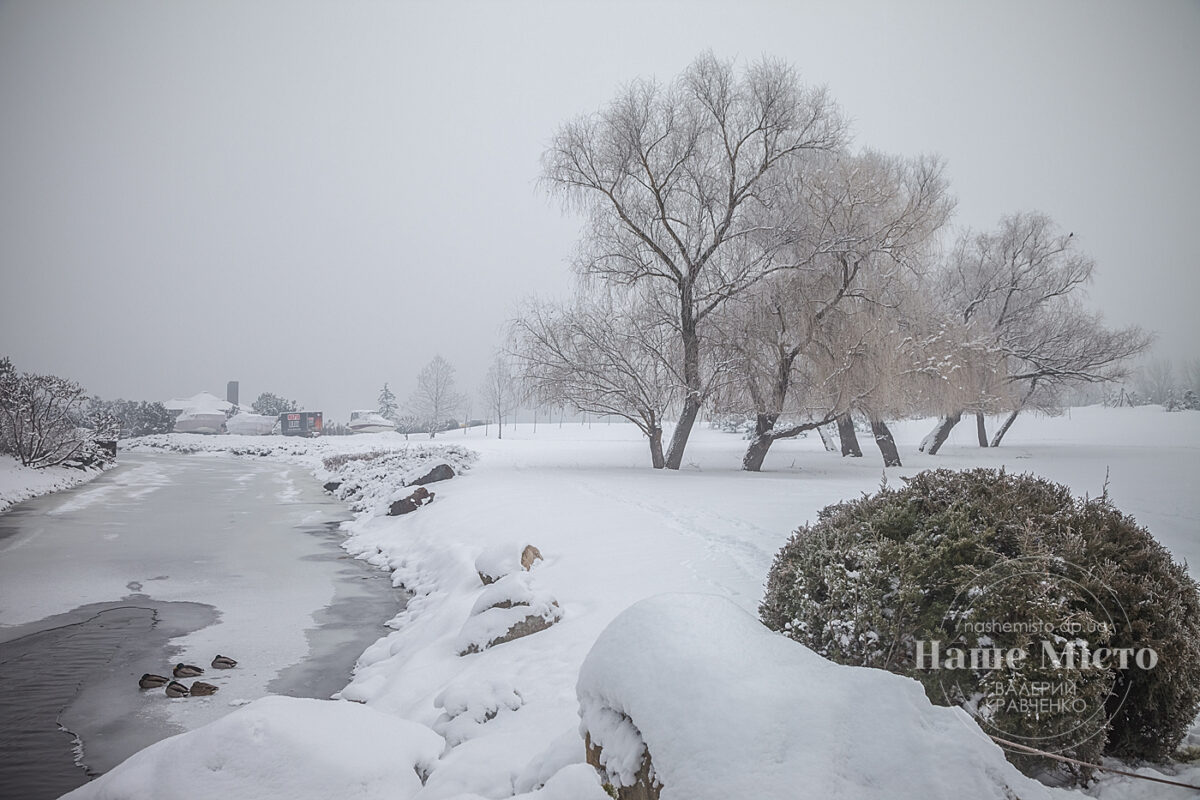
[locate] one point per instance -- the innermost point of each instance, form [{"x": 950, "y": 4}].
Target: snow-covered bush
[
  {"x": 134, "y": 418},
  {"x": 40, "y": 421},
  {"x": 983, "y": 559}
]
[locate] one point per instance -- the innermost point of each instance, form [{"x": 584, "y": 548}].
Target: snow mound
[
  {"x": 516, "y": 589},
  {"x": 726, "y": 708},
  {"x": 468, "y": 705},
  {"x": 576, "y": 782},
  {"x": 565, "y": 753},
  {"x": 497, "y": 561},
  {"x": 280, "y": 747}
]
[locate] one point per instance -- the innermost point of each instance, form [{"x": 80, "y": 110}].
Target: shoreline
[{"x": 20, "y": 483}]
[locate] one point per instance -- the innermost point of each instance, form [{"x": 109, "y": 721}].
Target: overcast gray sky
[{"x": 315, "y": 198}]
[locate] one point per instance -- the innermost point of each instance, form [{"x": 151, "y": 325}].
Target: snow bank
[
  {"x": 280, "y": 747},
  {"x": 373, "y": 480},
  {"x": 19, "y": 483},
  {"x": 726, "y": 708},
  {"x": 370, "y": 475}
]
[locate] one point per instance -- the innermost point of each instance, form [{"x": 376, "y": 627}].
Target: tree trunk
[
  {"x": 656, "y": 451},
  {"x": 981, "y": 428},
  {"x": 827, "y": 439},
  {"x": 1004, "y": 428},
  {"x": 940, "y": 433},
  {"x": 849, "y": 438},
  {"x": 887, "y": 445},
  {"x": 683, "y": 429},
  {"x": 691, "y": 379},
  {"x": 756, "y": 452}
]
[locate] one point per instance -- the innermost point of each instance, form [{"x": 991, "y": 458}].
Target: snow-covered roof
[{"x": 201, "y": 403}]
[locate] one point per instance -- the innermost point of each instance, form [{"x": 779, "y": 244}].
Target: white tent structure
[
  {"x": 248, "y": 424},
  {"x": 200, "y": 413}
]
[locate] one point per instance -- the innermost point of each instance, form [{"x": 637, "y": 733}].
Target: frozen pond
[{"x": 165, "y": 559}]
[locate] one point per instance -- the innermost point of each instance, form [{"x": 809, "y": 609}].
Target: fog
[{"x": 316, "y": 198}]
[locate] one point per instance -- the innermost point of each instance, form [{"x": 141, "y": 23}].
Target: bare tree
[
  {"x": 435, "y": 398},
  {"x": 1015, "y": 287},
  {"x": 1191, "y": 376},
  {"x": 860, "y": 224},
  {"x": 499, "y": 392},
  {"x": 680, "y": 184},
  {"x": 964, "y": 373},
  {"x": 40, "y": 416},
  {"x": 1155, "y": 381},
  {"x": 601, "y": 358},
  {"x": 867, "y": 359},
  {"x": 1068, "y": 346}
]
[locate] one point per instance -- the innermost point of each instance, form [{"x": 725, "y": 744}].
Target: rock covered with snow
[
  {"x": 497, "y": 561},
  {"x": 430, "y": 472},
  {"x": 504, "y": 559},
  {"x": 696, "y": 695},
  {"x": 516, "y": 589},
  {"x": 510, "y": 608},
  {"x": 409, "y": 504},
  {"x": 280, "y": 747},
  {"x": 500, "y": 625}
]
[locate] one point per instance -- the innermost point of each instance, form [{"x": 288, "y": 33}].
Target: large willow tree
[{"x": 683, "y": 185}]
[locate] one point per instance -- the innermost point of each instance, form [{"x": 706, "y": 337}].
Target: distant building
[{"x": 301, "y": 423}]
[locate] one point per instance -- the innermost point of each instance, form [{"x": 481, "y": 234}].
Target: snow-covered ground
[
  {"x": 611, "y": 533},
  {"x": 18, "y": 483}
]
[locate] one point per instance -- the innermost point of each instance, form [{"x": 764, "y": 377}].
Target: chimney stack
[{"x": 231, "y": 392}]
